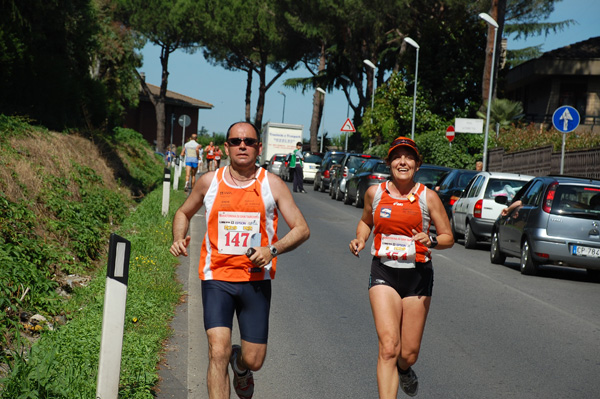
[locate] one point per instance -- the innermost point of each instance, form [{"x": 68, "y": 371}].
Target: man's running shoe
[
  {"x": 185, "y": 189},
  {"x": 409, "y": 382},
  {"x": 242, "y": 383}
]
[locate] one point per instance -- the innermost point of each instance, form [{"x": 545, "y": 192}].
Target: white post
[
  {"x": 166, "y": 191},
  {"x": 113, "y": 320}
]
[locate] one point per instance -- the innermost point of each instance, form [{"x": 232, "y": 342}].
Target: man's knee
[{"x": 253, "y": 358}]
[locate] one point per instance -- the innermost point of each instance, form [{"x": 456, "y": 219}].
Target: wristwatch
[
  {"x": 273, "y": 250},
  {"x": 434, "y": 242}
]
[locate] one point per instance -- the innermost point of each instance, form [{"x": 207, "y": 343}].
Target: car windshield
[
  {"x": 381, "y": 168},
  {"x": 279, "y": 158},
  {"x": 356, "y": 162},
  {"x": 313, "y": 159},
  {"x": 429, "y": 176},
  {"x": 503, "y": 187},
  {"x": 572, "y": 199}
]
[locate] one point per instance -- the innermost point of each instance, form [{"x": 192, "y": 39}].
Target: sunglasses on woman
[{"x": 236, "y": 141}]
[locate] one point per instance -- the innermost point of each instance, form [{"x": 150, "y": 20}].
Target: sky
[{"x": 192, "y": 75}]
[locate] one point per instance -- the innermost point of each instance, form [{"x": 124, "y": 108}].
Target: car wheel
[
  {"x": 496, "y": 256},
  {"x": 470, "y": 239},
  {"x": 315, "y": 187},
  {"x": 359, "y": 199},
  {"x": 453, "y": 229},
  {"x": 332, "y": 191},
  {"x": 339, "y": 195},
  {"x": 322, "y": 186},
  {"x": 528, "y": 265},
  {"x": 347, "y": 200}
]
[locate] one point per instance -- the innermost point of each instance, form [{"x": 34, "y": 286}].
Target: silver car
[
  {"x": 275, "y": 163},
  {"x": 475, "y": 212},
  {"x": 555, "y": 221}
]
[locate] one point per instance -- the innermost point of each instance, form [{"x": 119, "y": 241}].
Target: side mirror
[
  {"x": 352, "y": 170},
  {"x": 501, "y": 199}
]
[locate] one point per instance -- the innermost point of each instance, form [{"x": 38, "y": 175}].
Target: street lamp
[
  {"x": 372, "y": 66},
  {"x": 493, "y": 23},
  {"x": 415, "y": 45},
  {"x": 283, "y": 114},
  {"x": 322, "y": 116}
]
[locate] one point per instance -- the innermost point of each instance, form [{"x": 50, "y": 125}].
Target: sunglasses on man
[{"x": 236, "y": 141}]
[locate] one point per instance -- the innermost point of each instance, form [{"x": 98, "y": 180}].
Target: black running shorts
[
  {"x": 251, "y": 301},
  {"x": 416, "y": 281}
]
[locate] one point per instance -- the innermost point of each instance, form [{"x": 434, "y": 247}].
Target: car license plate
[{"x": 579, "y": 250}]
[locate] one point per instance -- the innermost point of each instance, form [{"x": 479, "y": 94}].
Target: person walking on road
[
  {"x": 238, "y": 256},
  {"x": 296, "y": 164},
  {"x": 191, "y": 150},
  {"x": 400, "y": 213}
]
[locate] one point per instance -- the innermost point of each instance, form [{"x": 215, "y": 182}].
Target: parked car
[
  {"x": 557, "y": 221},
  {"x": 311, "y": 165},
  {"x": 372, "y": 172},
  {"x": 345, "y": 170},
  {"x": 429, "y": 175},
  {"x": 451, "y": 185},
  {"x": 275, "y": 163},
  {"x": 323, "y": 175},
  {"x": 284, "y": 169},
  {"x": 475, "y": 212}
]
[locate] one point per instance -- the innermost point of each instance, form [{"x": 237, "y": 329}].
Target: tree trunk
[
  {"x": 249, "y": 96},
  {"x": 262, "y": 89},
  {"x": 159, "y": 107},
  {"x": 318, "y": 104}
]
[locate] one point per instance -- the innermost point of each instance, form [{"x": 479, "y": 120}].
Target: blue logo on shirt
[{"x": 385, "y": 213}]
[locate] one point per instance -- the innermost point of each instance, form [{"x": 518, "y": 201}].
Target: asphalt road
[{"x": 491, "y": 332}]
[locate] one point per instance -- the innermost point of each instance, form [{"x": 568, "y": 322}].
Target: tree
[
  {"x": 503, "y": 112},
  {"x": 45, "y": 52},
  {"x": 251, "y": 36},
  {"x": 171, "y": 25}
]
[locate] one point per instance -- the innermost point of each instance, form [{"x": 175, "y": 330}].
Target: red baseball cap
[{"x": 406, "y": 142}]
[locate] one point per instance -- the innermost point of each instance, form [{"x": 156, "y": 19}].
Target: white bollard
[
  {"x": 177, "y": 174},
  {"x": 113, "y": 319},
  {"x": 166, "y": 191}
]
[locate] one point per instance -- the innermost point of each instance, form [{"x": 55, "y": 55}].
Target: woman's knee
[{"x": 389, "y": 348}]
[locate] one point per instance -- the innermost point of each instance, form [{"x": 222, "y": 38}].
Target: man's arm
[
  {"x": 183, "y": 215},
  {"x": 299, "y": 231}
]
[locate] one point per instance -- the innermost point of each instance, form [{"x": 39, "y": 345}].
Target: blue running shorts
[
  {"x": 194, "y": 165},
  {"x": 251, "y": 301}
]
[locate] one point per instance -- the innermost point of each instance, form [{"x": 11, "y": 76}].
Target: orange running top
[{"x": 237, "y": 218}]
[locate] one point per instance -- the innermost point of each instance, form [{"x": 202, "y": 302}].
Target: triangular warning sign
[{"x": 348, "y": 126}]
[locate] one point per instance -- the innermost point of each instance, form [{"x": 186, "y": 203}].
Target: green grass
[{"x": 64, "y": 363}]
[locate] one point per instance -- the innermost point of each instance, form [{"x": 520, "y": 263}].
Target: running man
[
  {"x": 238, "y": 256},
  {"x": 191, "y": 150}
]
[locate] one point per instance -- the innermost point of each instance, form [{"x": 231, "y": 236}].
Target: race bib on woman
[
  {"x": 397, "y": 251},
  {"x": 238, "y": 231}
]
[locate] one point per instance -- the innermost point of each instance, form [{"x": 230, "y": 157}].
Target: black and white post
[
  {"x": 113, "y": 321},
  {"x": 166, "y": 191}
]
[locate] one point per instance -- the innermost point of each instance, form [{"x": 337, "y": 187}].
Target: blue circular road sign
[{"x": 565, "y": 119}]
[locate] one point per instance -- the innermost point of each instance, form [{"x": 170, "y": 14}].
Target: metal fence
[{"x": 543, "y": 161}]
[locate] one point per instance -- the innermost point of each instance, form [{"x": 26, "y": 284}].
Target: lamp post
[
  {"x": 415, "y": 45},
  {"x": 347, "y": 79},
  {"x": 494, "y": 24},
  {"x": 372, "y": 66},
  {"x": 322, "y": 116},
  {"x": 283, "y": 114}
]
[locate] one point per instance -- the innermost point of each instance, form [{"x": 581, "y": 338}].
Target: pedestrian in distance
[
  {"x": 296, "y": 164},
  {"x": 210, "y": 156},
  {"x": 170, "y": 155},
  {"x": 190, "y": 150},
  {"x": 200, "y": 156},
  {"x": 479, "y": 166},
  {"x": 218, "y": 155},
  {"x": 238, "y": 256},
  {"x": 400, "y": 213}
]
